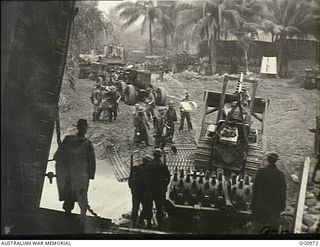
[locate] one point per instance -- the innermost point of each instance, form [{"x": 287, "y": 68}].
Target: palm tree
[
  {"x": 286, "y": 18},
  {"x": 206, "y": 18},
  {"x": 250, "y": 12},
  {"x": 131, "y": 12},
  {"x": 167, "y": 23}
]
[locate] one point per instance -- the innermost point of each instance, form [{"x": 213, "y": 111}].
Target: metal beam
[{"x": 301, "y": 197}]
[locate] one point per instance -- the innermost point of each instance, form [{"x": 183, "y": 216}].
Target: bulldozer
[
  {"x": 214, "y": 180},
  {"x": 135, "y": 87}
]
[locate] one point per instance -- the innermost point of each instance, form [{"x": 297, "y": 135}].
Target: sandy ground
[{"x": 291, "y": 113}]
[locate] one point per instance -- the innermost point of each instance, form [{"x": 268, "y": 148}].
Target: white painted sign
[{"x": 269, "y": 65}]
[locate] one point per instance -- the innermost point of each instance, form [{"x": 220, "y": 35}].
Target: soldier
[
  {"x": 137, "y": 186},
  {"x": 161, "y": 73},
  {"x": 96, "y": 101},
  {"x": 140, "y": 128},
  {"x": 268, "y": 195},
  {"x": 159, "y": 125},
  {"x": 113, "y": 99},
  {"x": 170, "y": 119},
  {"x": 100, "y": 80},
  {"x": 105, "y": 102},
  {"x": 150, "y": 104},
  {"x": 75, "y": 166},
  {"x": 157, "y": 180},
  {"x": 185, "y": 114}
]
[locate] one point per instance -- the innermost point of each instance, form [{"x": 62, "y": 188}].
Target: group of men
[
  {"x": 105, "y": 100},
  {"x": 163, "y": 122},
  {"x": 148, "y": 183}
]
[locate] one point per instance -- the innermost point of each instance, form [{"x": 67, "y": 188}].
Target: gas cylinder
[
  {"x": 207, "y": 176},
  {"x": 189, "y": 170},
  {"x": 247, "y": 195},
  {"x": 182, "y": 173},
  {"x": 193, "y": 193},
  {"x": 220, "y": 196},
  {"x": 194, "y": 175},
  {"x": 213, "y": 189},
  {"x": 240, "y": 190},
  {"x": 187, "y": 182},
  {"x": 200, "y": 182},
  {"x": 233, "y": 186},
  {"x": 174, "y": 181}
]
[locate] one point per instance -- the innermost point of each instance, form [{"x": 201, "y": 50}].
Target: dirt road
[{"x": 291, "y": 113}]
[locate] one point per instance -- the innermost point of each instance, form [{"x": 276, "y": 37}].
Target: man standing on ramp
[{"x": 75, "y": 166}]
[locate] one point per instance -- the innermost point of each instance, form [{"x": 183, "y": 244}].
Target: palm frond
[
  {"x": 132, "y": 19},
  {"x": 124, "y": 5},
  {"x": 291, "y": 30}
]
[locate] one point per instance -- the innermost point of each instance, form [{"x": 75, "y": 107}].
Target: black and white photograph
[{"x": 160, "y": 119}]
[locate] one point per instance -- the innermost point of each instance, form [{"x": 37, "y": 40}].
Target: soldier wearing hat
[
  {"x": 75, "y": 166},
  {"x": 150, "y": 104},
  {"x": 113, "y": 103},
  {"x": 96, "y": 99},
  {"x": 185, "y": 114},
  {"x": 137, "y": 185},
  {"x": 140, "y": 127},
  {"x": 157, "y": 180},
  {"x": 170, "y": 117},
  {"x": 268, "y": 195},
  {"x": 159, "y": 125},
  {"x": 161, "y": 72}
]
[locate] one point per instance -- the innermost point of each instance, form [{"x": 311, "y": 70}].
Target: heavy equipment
[
  {"x": 229, "y": 151},
  {"x": 137, "y": 83},
  {"x": 97, "y": 65}
]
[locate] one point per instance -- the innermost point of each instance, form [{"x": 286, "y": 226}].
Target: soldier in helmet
[
  {"x": 96, "y": 99},
  {"x": 140, "y": 127},
  {"x": 170, "y": 119},
  {"x": 161, "y": 73},
  {"x": 157, "y": 179},
  {"x": 159, "y": 125},
  {"x": 268, "y": 195},
  {"x": 105, "y": 102},
  {"x": 150, "y": 104},
  {"x": 113, "y": 98},
  {"x": 137, "y": 186}
]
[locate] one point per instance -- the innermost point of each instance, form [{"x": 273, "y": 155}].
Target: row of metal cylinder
[{"x": 208, "y": 189}]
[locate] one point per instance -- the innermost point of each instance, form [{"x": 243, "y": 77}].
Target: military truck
[
  {"x": 135, "y": 87},
  {"x": 214, "y": 179},
  {"x": 98, "y": 65}
]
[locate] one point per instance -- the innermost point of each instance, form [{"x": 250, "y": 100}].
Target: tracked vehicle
[{"x": 214, "y": 178}]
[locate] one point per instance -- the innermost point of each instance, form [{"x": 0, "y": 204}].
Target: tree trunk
[
  {"x": 172, "y": 41},
  {"x": 226, "y": 35},
  {"x": 213, "y": 52},
  {"x": 246, "y": 61},
  {"x": 282, "y": 57},
  {"x": 165, "y": 41},
  {"x": 150, "y": 37}
]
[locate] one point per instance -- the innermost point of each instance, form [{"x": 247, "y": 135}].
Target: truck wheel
[
  {"x": 122, "y": 87},
  {"x": 130, "y": 95},
  {"x": 161, "y": 97}
]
